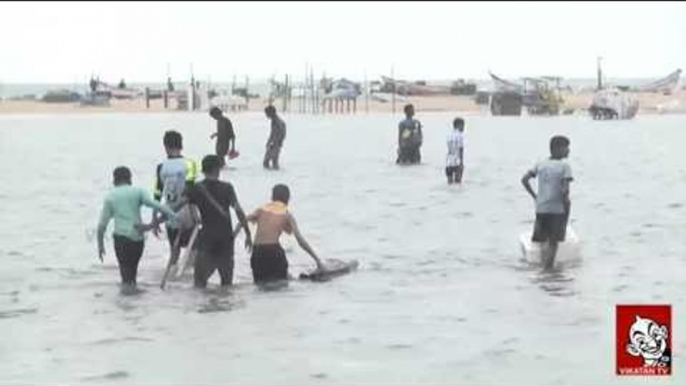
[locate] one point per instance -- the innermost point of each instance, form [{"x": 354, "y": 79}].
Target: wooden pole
[
  {"x": 165, "y": 95},
  {"x": 247, "y": 92},
  {"x": 147, "y": 97},
  {"x": 366, "y": 93},
  {"x": 393, "y": 89}
]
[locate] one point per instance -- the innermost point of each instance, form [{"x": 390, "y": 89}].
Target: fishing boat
[{"x": 665, "y": 85}]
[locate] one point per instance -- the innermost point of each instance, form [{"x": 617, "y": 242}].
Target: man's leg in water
[
  {"x": 458, "y": 174},
  {"x": 551, "y": 252},
  {"x": 265, "y": 161},
  {"x": 128, "y": 253},
  {"x": 203, "y": 269},
  {"x": 226, "y": 270},
  {"x": 275, "y": 157},
  {"x": 449, "y": 174}
]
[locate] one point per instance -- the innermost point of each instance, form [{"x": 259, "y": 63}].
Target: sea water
[{"x": 441, "y": 296}]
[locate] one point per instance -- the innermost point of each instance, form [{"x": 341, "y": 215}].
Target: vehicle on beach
[{"x": 612, "y": 103}]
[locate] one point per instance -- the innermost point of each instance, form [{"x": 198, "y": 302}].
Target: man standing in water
[
  {"x": 215, "y": 241},
  {"x": 124, "y": 204},
  {"x": 224, "y": 135},
  {"x": 552, "y": 202},
  {"x": 268, "y": 261},
  {"x": 174, "y": 175},
  {"x": 275, "y": 140},
  {"x": 455, "y": 159},
  {"x": 409, "y": 138}
]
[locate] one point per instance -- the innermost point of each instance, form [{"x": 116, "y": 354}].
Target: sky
[{"x": 46, "y": 42}]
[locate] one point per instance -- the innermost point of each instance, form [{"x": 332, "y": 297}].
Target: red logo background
[{"x": 626, "y": 316}]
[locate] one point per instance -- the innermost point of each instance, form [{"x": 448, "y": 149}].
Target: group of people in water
[{"x": 186, "y": 205}]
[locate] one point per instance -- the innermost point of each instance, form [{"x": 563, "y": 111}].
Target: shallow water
[{"x": 441, "y": 295}]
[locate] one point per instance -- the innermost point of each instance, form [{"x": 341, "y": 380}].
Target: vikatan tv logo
[{"x": 644, "y": 340}]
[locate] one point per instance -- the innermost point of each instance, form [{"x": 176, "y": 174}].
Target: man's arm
[
  {"x": 400, "y": 133},
  {"x": 272, "y": 134},
  {"x": 232, "y": 136},
  {"x": 156, "y": 205},
  {"x": 525, "y": 181},
  {"x": 244, "y": 223},
  {"x": 301, "y": 240},
  {"x": 105, "y": 217}
]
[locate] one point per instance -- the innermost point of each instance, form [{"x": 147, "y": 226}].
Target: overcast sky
[{"x": 64, "y": 42}]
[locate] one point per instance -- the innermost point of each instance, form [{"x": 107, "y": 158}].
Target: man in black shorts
[
  {"x": 215, "y": 241},
  {"x": 552, "y": 201}
]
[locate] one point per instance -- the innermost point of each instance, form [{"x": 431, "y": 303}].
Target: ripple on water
[
  {"x": 220, "y": 305},
  {"x": 17, "y": 313},
  {"x": 107, "y": 376},
  {"x": 108, "y": 341},
  {"x": 399, "y": 346}
]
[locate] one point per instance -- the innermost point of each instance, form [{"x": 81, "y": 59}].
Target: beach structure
[
  {"x": 340, "y": 95},
  {"x": 540, "y": 95},
  {"x": 506, "y": 103},
  {"x": 611, "y": 102}
]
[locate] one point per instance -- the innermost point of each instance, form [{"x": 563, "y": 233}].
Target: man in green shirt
[{"x": 123, "y": 203}]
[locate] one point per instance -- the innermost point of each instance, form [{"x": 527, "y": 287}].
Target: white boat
[{"x": 568, "y": 251}]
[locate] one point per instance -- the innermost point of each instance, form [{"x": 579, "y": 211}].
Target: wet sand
[{"x": 650, "y": 103}]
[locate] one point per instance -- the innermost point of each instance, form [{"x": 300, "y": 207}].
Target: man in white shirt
[{"x": 455, "y": 159}]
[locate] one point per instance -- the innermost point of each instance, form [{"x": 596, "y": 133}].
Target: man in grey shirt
[
  {"x": 552, "y": 201},
  {"x": 409, "y": 138},
  {"x": 276, "y": 137}
]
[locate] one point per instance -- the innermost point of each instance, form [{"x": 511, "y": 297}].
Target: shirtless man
[{"x": 268, "y": 261}]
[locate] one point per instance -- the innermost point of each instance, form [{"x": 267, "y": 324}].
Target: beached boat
[
  {"x": 61, "y": 96},
  {"x": 385, "y": 97},
  {"x": 390, "y": 85},
  {"x": 341, "y": 88},
  {"x": 505, "y": 85},
  {"x": 665, "y": 85}
]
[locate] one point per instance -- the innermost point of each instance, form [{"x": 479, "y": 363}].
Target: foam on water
[{"x": 441, "y": 295}]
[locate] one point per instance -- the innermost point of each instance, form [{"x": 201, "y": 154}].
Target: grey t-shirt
[
  {"x": 550, "y": 174},
  {"x": 410, "y": 131}
]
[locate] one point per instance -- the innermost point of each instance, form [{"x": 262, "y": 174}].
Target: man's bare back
[{"x": 272, "y": 220}]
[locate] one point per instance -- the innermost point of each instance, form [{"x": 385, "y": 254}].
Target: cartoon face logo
[{"x": 648, "y": 340}]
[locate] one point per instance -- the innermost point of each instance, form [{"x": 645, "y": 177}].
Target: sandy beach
[{"x": 650, "y": 103}]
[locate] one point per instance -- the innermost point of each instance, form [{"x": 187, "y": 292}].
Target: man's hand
[
  {"x": 156, "y": 230},
  {"x": 320, "y": 266},
  {"x": 213, "y": 135},
  {"x": 248, "y": 244},
  {"x": 142, "y": 228}
]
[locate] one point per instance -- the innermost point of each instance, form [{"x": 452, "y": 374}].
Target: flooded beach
[{"x": 441, "y": 295}]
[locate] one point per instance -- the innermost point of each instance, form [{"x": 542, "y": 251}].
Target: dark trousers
[
  {"x": 222, "y": 148},
  {"x": 214, "y": 255},
  {"x": 129, "y": 254},
  {"x": 409, "y": 155},
  {"x": 271, "y": 156},
  {"x": 268, "y": 263}
]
